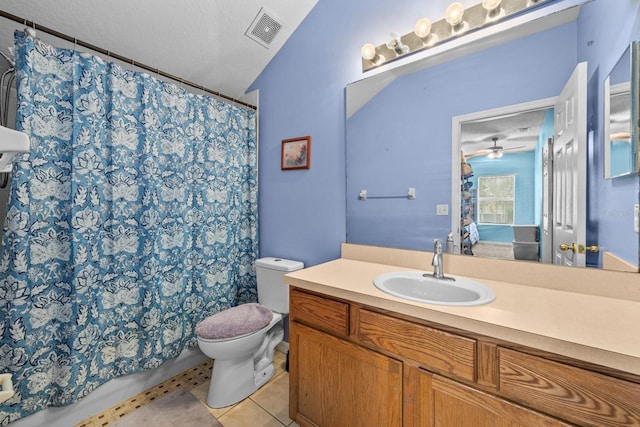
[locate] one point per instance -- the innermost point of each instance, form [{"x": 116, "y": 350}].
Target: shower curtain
[{"x": 133, "y": 217}]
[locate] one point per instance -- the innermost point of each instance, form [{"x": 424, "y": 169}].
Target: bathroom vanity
[{"x": 538, "y": 355}]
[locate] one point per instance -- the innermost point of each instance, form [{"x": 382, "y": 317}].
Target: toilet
[{"x": 241, "y": 340}]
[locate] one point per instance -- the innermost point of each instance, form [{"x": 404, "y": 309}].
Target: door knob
[{"x": 572, "y": 247}]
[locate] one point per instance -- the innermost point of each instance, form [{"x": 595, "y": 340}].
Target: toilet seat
[{"x": 234, "y": 322}]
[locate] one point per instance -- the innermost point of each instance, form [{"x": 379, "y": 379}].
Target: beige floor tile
[
  {"x": 248, "y": 414},
  {"x": 274, "y": 397},
  {"x": 200, "y": 392}
]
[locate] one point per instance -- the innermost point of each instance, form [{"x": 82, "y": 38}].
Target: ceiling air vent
[{"x": 264, "y": 28}]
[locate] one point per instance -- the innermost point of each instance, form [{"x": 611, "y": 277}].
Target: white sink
[{"x": 423, "y": 287}]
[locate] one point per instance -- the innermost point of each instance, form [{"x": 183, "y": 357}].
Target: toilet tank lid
[{"x": 280, "y": 264}]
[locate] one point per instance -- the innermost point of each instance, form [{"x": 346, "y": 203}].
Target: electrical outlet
[
  {"x": 442, "y": 209},
  {"x": 636, "y": 217}
]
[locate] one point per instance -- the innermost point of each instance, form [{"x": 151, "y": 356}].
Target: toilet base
[
  {"x": 229, "y": 387},
  {"x": 233, "y": 380}
]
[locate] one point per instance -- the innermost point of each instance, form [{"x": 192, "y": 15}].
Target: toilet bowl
[
  {"x": 241, "y": 364},
  {"x": 242, "y": 340}
]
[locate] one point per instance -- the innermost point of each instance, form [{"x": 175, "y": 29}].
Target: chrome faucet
[{"x": 437, "y": 261}]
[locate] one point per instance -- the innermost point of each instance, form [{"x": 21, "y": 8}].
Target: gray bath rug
[{"x": 179, "y": 408}]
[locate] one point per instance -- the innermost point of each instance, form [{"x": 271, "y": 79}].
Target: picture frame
[{"x": 296, "y": 153}]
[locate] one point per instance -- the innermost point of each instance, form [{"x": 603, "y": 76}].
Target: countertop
[{"x": 596, "y": 329}]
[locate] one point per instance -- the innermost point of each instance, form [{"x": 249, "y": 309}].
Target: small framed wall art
[{"x": 296, "y": 153}]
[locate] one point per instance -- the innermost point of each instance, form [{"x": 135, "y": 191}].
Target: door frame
[{"x": 456, "y": 149}]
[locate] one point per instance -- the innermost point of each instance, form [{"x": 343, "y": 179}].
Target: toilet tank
[{"x": 273, "y": 292}]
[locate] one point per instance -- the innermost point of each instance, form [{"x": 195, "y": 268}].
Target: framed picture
[{"x": 296, "y": 153}]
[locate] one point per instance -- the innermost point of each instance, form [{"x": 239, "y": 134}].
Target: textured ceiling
[
  {"x": 202, "y": 41},
  {"x": 515, "y": 132}
]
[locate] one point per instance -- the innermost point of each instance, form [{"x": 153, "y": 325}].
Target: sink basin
[{"x": 423, "y": 287}]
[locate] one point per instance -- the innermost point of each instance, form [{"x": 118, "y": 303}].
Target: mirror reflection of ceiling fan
[{"x": 493, "y": 152}]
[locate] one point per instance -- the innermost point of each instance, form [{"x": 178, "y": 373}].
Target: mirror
[
  {"x": 401, "y": 136},
  {"x": 619, "y": 146}
]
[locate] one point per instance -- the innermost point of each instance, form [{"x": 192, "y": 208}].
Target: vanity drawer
[
  {"x": 322, "y": 313},
  {"x": 434, "y": 349},
  {"x": 570, "y": 393}
]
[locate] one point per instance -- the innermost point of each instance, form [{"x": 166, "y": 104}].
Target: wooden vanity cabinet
[
  {"x": 439, "y": 402},
  {"x": 334, "y": 382},
  {"x": 353, "y": 365}
]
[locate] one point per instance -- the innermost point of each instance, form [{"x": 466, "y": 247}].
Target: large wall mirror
[
  {"x": 620, "y": 147},
  {"x": 404, "y": 137}
]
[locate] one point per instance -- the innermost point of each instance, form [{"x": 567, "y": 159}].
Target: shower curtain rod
[{"x": 119, "y": 57}]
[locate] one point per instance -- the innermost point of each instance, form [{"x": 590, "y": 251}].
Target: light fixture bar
[{"x": 473, "y": 19}]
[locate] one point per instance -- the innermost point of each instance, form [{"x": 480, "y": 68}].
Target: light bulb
[
  {"x": 454, "y": 14},
  {"x": 423, "y": 28},
  {"x": 491, "y": 5},
  {"x": 396, "y": 44},
  {"x": 368, "y": 52}
]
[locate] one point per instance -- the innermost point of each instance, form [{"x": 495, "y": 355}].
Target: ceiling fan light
[{"x": 494, "y": 154}]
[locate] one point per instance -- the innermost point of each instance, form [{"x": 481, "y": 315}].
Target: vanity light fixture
[
  {"x": 457, "y": 22},
  {"x": 455, "y": 17}
]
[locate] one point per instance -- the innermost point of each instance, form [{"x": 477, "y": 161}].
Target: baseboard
[{"x": 283, "y": 347}]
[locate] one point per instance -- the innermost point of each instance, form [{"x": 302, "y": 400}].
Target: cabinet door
[
  {"x": 336, "y": 383},
  {"x": 457, "y": 405}
]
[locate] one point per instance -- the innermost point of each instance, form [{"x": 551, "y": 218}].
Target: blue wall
[
  {"x": 302, "y": 213},
  {"x": 621, "y": 157},
  {"x": 522, "y": 165}
]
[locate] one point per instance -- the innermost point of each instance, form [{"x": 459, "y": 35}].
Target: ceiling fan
[{"x": 493, "y": 152}]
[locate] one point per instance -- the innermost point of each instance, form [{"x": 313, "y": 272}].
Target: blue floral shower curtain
[{"x": 133, "y": 217}]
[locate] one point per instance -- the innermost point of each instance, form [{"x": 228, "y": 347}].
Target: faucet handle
[{"x": 437, "y": 245}]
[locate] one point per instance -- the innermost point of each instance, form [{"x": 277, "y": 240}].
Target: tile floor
[{"x": 267, "y": 407}]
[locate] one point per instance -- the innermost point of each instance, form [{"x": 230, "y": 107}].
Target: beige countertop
[{"x": 599, "y": 329}]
